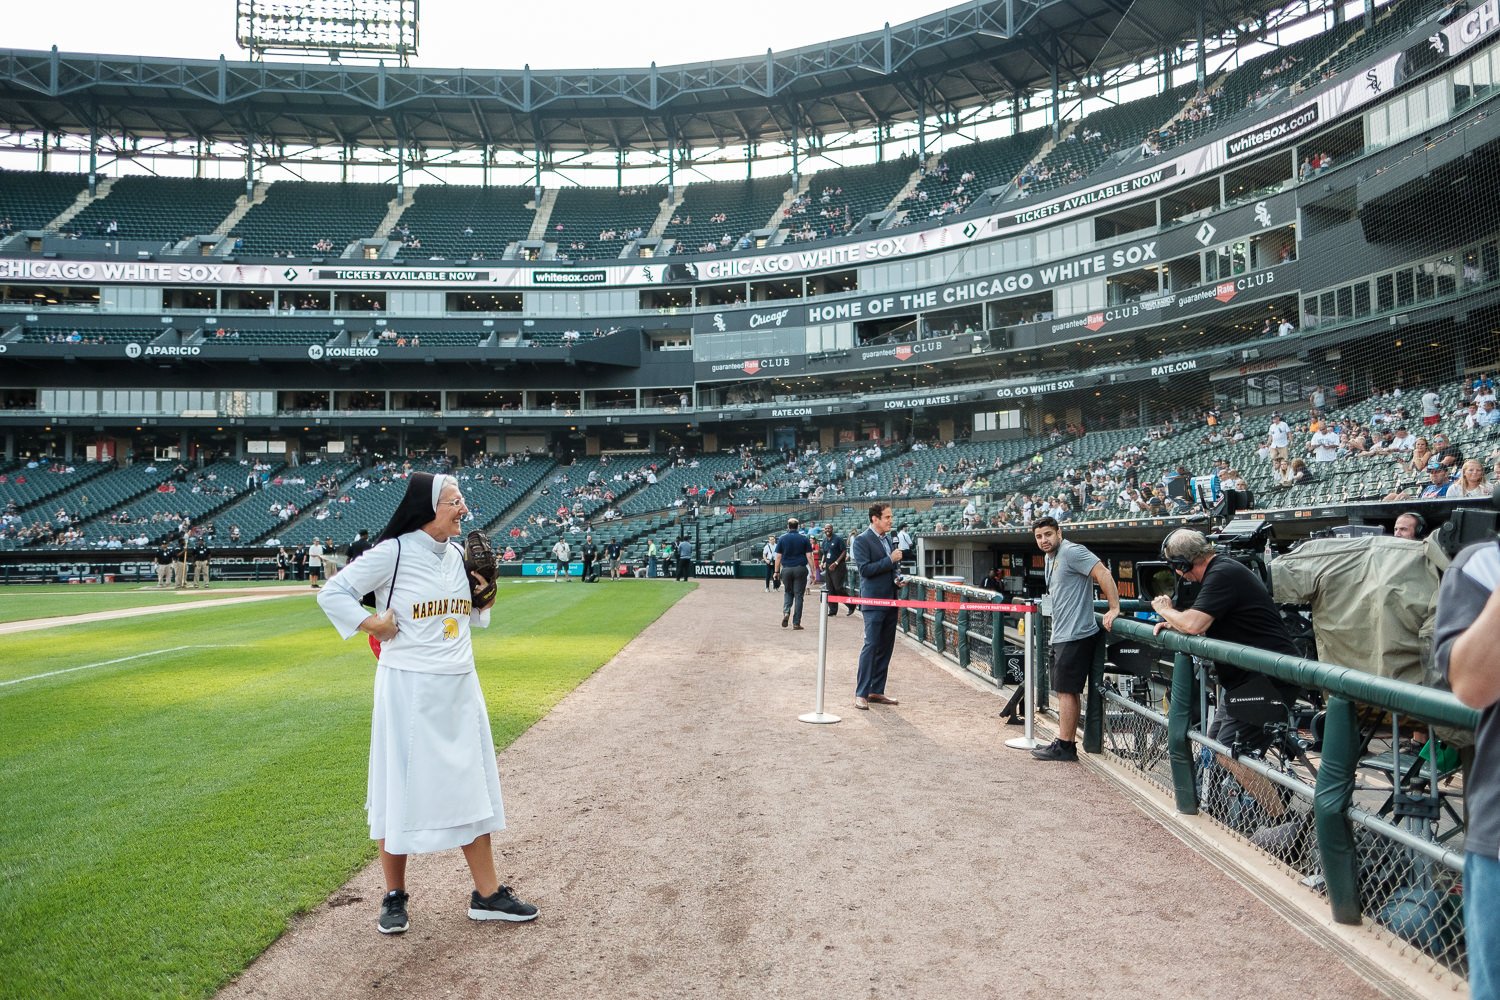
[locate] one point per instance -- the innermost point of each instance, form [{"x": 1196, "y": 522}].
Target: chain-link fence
[
  {"x": 1406, "y": 811},
  {"x": 1407, "y": 833}
]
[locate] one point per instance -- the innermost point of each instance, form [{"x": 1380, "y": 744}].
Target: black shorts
[{"x": 1071, "y": 663}]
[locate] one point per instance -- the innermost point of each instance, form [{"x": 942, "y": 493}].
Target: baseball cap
[{"x": 1434, "y": 465}]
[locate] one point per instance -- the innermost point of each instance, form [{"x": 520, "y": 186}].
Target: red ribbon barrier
[{"x": 886, "y": 602}]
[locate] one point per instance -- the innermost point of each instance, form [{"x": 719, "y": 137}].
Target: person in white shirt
[
  {"x": 433, "y": 784},
  {"x": 314, "y": 561},
  {"x": 1324, "y": 444},
  {"x": 1279, "y": 437},
  {"x": 1431, "y": 408},
  {"x": 562, "y": 553}
]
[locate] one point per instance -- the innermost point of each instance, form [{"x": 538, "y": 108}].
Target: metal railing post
[
  {"x": 1179, "y": 721},
  {"x": 1331, "y": 799},
  {"x": 817, "y": 716},
  {"x": 939, "y": 616},
  {"x": 963, "y": 639},
  {"x": 1093, "y": 714}
]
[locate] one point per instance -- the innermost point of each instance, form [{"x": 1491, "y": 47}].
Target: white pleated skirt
[{"x": 433, "y": 780}]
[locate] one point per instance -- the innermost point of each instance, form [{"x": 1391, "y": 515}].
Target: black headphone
[
  {"x": 1178, "y": 564},
  {"x": 1421, "y": 521}
]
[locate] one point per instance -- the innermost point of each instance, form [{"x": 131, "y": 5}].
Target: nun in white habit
[{"x": 433, "y": 783}]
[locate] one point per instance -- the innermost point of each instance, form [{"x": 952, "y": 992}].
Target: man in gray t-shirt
[
  {"x": 1071, "y": 572},
  {"x": 1466, "y": 636}
]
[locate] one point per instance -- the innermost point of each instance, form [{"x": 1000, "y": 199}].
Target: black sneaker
[
  {"x": 393, "y": 913},
  {"x": 503, "y": 905},
  {"x": 1057, "y": 750},
  {"x": 784, "y": 620}
]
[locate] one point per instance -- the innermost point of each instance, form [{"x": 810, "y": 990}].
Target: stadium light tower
[{"x": 359, "y": 29}]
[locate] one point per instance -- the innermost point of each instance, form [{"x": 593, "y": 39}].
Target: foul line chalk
[{"x": 103, "y": 663}]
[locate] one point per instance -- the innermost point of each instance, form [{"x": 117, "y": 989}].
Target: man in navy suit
[{"x": 879, "y": 567}]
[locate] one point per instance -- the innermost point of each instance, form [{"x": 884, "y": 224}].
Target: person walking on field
[
  {"x": 433, "y": 784},
  {"x": 793, "y": 558},
  {"x": 684, "y": 559},
  {"x": 835, "y": 553},
  {"x": 562, "y": 554}
]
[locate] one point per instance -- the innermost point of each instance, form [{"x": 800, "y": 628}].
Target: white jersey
[
  {"x": 1325, "y": 445},
  {"x": 430, "y": 599}
]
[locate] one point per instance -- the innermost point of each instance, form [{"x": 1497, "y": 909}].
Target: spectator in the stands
[
  {"x": 1439, "y": 482},
  {"x": 1279, "y": 437},
  {"x": 1420, "y": 455},
  {"x": 1324, "y": 445},
  {"x": 1445, "y": 451},
  {"x": 1472, "y": 483}
]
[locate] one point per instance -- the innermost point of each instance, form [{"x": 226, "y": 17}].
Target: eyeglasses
[{"x": 455, "y": 502}]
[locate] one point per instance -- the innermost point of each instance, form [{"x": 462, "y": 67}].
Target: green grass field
[
  {"x": 179, "y": 786},
  {"x": 53, "y": 600}
]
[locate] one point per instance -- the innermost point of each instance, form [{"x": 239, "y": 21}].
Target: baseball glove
[{"x": 479, "y": 557}]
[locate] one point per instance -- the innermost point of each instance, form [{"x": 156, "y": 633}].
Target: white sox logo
[{"x": 719, "y": 322}]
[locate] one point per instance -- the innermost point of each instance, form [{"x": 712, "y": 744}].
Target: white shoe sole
[
  {"x": 393, "y": 930},
  {"x": 498, "y": 915}
]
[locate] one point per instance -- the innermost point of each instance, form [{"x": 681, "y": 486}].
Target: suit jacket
[{"x": 877, "y": 574}]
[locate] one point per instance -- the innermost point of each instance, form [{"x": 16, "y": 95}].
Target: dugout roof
[{"x": 960, "y": 58}]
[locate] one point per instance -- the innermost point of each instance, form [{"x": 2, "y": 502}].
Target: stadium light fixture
[{"x": 361, "y": 29}]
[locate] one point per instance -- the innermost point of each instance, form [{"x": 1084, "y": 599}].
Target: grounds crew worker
[
  {"x": 164, "y": 565},
  {"x": 200, "y": 562}
]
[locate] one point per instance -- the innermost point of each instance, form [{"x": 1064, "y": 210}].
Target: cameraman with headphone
[
  {"x": 1231, "y": 605},
  {"x": 1410, "y": 525}
]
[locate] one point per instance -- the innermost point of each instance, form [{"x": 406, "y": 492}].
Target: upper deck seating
[
  {"x": 159, "y": 208},
  {"x": 458, "y": 222}
]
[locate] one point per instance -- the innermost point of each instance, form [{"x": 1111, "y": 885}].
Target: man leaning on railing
[
  {"x": 1231, "y": 605},
  {"x": 1468, "y": 652}
]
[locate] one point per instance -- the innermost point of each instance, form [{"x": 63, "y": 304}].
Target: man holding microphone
[{"x": 879, "y": 575}]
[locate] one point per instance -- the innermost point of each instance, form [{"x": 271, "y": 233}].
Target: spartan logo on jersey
[{"x": 450, "y": 628}]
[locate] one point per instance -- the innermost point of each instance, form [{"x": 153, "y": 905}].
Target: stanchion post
[
  {"x": 1028, "y": 742},
  {"x": 817, "y": 716}
]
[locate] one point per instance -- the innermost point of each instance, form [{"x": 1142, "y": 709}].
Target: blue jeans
[
  {"x": 793, "y": 586},
  {"x": 1482, "y": 925}
]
